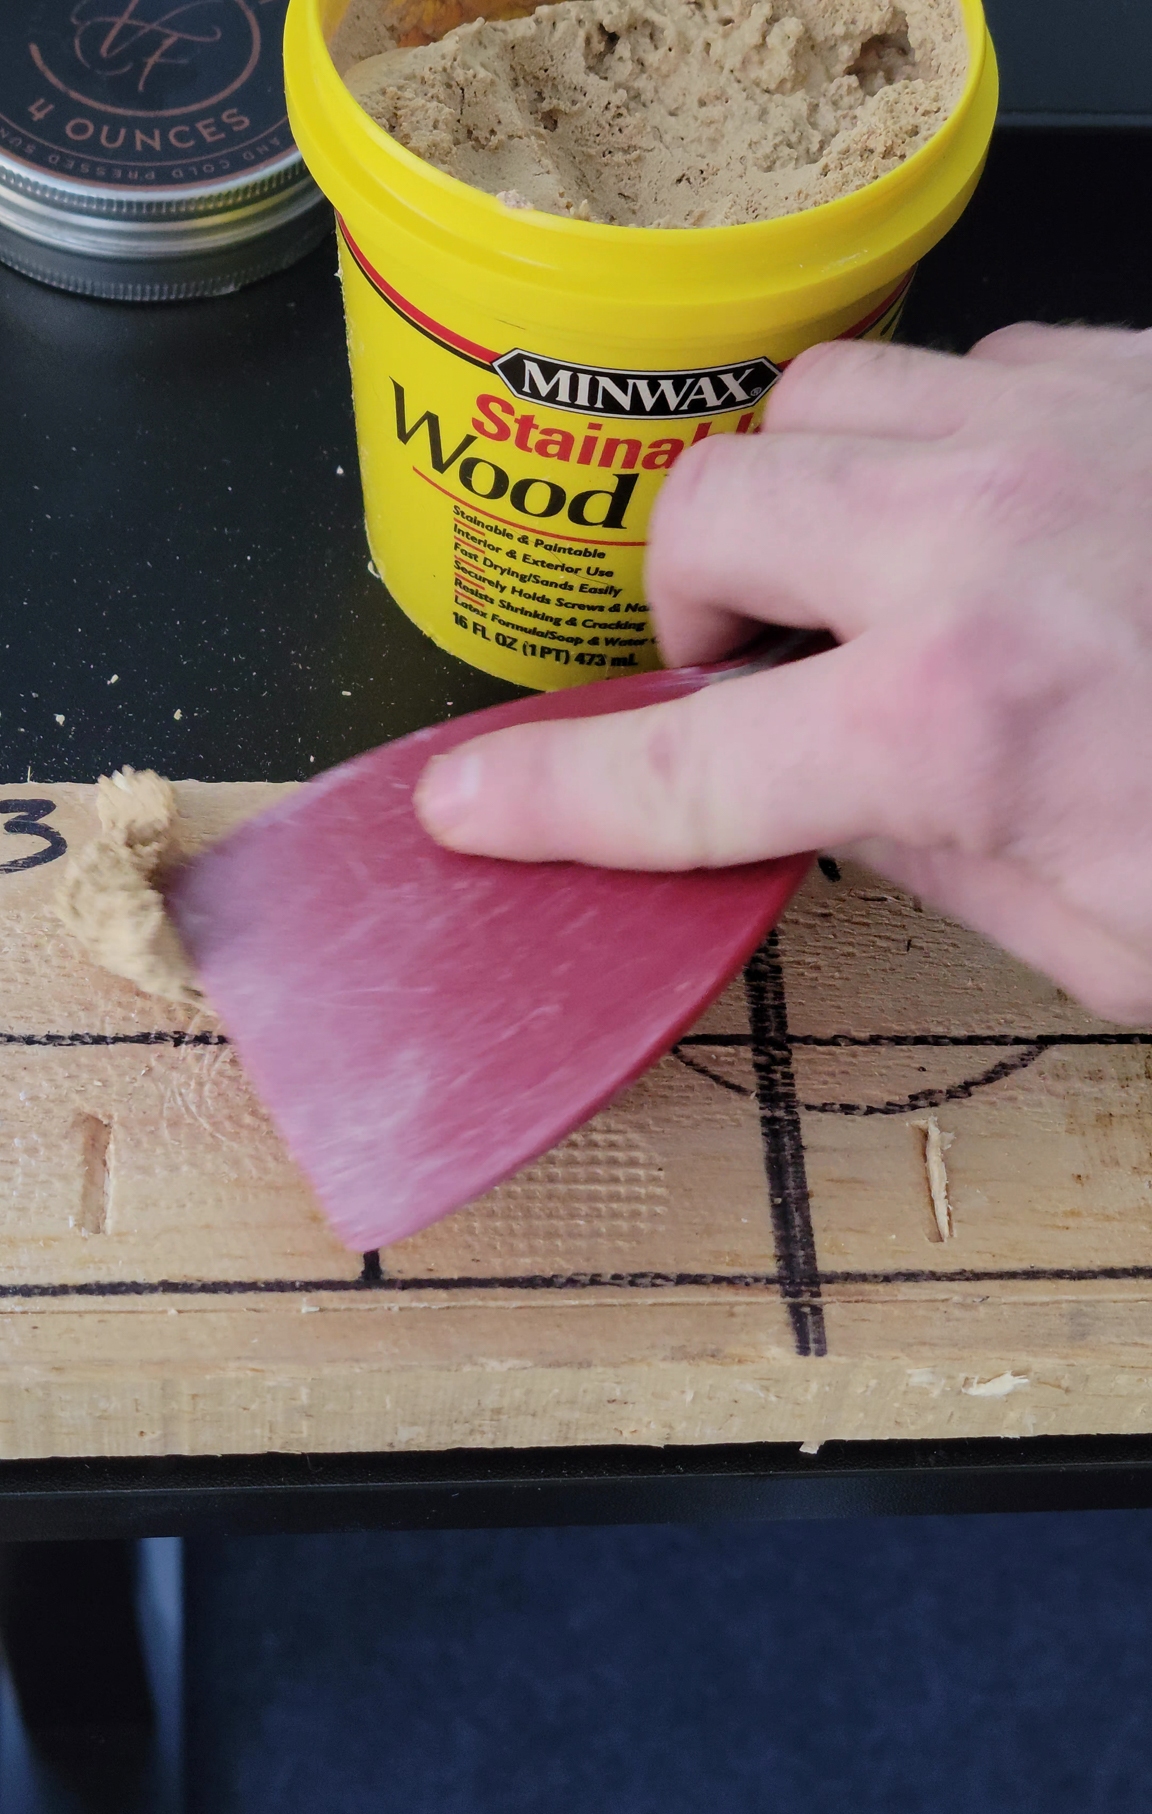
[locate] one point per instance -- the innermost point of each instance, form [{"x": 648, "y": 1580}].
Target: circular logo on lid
[
  {"x": 150, "y": 57},
  {"x": 134, "y": 92}
]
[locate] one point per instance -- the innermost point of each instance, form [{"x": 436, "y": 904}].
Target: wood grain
[{"x": 741, "y": 1248}]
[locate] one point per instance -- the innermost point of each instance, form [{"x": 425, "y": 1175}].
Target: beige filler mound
[
  {"x": 668, "y": 113},
  {"x": 110, "y": 897}
]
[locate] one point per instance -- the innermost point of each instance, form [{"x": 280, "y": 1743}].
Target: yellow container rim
[{"x": 379, "y": 185}]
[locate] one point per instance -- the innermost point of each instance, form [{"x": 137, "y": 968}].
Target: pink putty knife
[{"x": 420, "y": 1024}]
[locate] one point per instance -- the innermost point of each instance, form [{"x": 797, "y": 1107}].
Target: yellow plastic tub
[{"x": 522, "y": 381}]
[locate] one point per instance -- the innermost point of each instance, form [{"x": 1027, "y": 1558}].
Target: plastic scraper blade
[{"x": 420, "y": 1023}]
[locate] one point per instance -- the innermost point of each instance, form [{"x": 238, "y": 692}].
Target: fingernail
[{"x": 447, "y": 791}]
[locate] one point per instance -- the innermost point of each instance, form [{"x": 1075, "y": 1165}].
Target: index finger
[
  {"x": 867, "y": 387},
  {"x": 818, "y": 531},
  {"x": 837, "y": 747}
]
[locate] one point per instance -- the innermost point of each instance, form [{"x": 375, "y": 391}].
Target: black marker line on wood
[
  {"x": 901, "y": 1105},
  {"x": 703, "y": 1070},
  {"x": 741, "y": 1282},
  {"x": 822, "y": 1041},
  {"x": 937, "y": 1098},
  {"x": 114, "y": 1039},
  {"x": 1046, "y": 1042},
  {"x": 783, "y": 1139}
]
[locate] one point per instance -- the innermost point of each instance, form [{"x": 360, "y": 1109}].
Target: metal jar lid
[{"x": 145, "y": 154}]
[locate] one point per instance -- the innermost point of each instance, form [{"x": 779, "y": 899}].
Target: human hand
[{"x": 977, "y": 533}]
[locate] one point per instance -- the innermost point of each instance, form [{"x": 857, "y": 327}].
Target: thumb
[{"x": 763, "y": 766}]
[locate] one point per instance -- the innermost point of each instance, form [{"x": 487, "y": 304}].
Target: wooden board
[{"x": 742, "y": 1248}]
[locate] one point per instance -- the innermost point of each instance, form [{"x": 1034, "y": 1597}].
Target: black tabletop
[
  {"x": 179, "y": 502},
  {"x": 185, "y": 585}
]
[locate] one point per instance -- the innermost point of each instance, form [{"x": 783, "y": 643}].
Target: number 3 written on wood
[{"x": 22, "y": 817}]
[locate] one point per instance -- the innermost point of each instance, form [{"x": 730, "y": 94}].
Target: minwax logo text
[{"x": 592, "y": 390}]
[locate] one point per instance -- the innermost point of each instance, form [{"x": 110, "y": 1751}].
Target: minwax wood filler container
[{"x": 523, "y": 380}]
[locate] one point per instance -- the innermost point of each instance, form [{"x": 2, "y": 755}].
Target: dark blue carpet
[{"x": 919, "y": 1666}]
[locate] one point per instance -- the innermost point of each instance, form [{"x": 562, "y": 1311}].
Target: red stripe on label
[
  {"x": 878, "y": 313},
  {"x": 485, "y": 354},
  {"x": 869, "y": 321}
]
